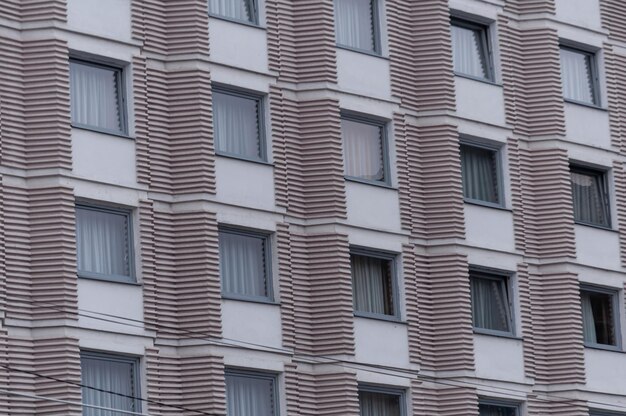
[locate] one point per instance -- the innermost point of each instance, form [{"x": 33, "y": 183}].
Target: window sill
[
  {"x": 102, "y": 131},
  {"x": 244, "y": 159},
  {"x": 250, "y": 300},
  {"x": 497, "y": 334},
  {"x": 386, "y": 318},
  {"x": 483, "y": 80},
  {"x": 596, "y": 226},
  {"x": 584, "y": 104},
  {"x": 370, "y": 182},
  {"x": 601, "y": 347},
  {"x": 108, "y": 280},
  {"x": 237, "y": 21},
  {"x": 487, "y": 205},
  {"x": 362, "y": 51}
]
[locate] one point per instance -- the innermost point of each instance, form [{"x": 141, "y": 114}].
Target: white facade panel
[
  {"x": 109, "y": 18},
  {"x": 251, "y": 322},
  {"x": 363, "y": 74},
  {"x": 597, "y": 247},
  {"x": 238, "y": 45},
  {"x": 381, "y": 342},
  {"x": 244, "y": 183},
  {"x": 480, "y": 101},
  {"x": 372, "y": 206},
  {"x": 499, "y": 358},
  {"x": 587, "y": 125},
  {"x": 489, "y": 227}
]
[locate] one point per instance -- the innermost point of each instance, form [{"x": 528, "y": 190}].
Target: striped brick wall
[
  {"x": 613, "y": 13},
  {"x": 30, "y": 11}
]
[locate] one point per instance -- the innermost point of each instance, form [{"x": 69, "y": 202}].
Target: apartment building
[{"x": 313, "y": 207}]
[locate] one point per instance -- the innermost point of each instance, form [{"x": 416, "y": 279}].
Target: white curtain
[
  {"x": 110, "y": 375},
  {"x": 242, "y": 264},
  {"x": 354, "y": 24},
  {"x": 94, "y": 96},
  {"x": 576, "y": 76},
  {"x": 589, "y": 325},
  {"x": 236, "y": 125},
  {"x": 468, "y": 52},
  {"x": 479, "y": 174},
  {"x": 589, "y": 198},
  {"x": 234, "y": 9},
  {"x": 362, "y": 146},
  {"x": 372, "y": 285},
  {"x": 490, "y": 304},
  {"x": 379, "y": 404},
  {"x": 493, "y": 410},
  {"x": 598, "y": 321},
  {"x": 249, "y": 396},
  {"x": 102, "y": 242}
]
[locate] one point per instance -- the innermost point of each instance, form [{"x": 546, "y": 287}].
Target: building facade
[{"x": 313, "y": 207}]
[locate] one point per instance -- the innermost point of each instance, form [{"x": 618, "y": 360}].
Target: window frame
[
  {"x": 604, "y": 173},
  {"x": 120, "y": 91},
  {"x": 382, "y": 389},
  {"x": 485, "y": 41},
  {"x": 391, "y": 257},
  {"x": 499, "y": 176},
  {"x": 136, "y": 367},
  {"x": 594, "y": 73},
  {"x": 500, "y": 275},
  {"x": 269, "y": 281},
  {"x": 384, "y": 144},
  {"x": 255, "y": 22},
  {"x": 256, "y": 374},
  {"x": 487, "y": 401},
  {"x": 262, "y": 133},
  {"x": 614, "y": 293},
  {"x": 128, "y": 213},
  {"x": 376, "y": 32}
]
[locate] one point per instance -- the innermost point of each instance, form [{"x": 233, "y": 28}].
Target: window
[
  {"x": 470, "y": 49},
  {"x": 102, "y": 373},
  {"x": 578, "y": 75},
  {"x": 245, "y": 264},
  {"x": 480, "y": 167},
  {"x": 103, "y": 247},
  {"x": 494, "y": 408},
  {"x": 251, "y": 394},
  {"x": 356, "y": 24},
  {"x": 96, "y": 96},
  {"x": 238, "y": 124},
  {"x": 378, "y": 401},
  {"x": 364, "y": 148},
  {"x": 590, "y": 196},
  {"x": 373, "y": 283},
  {"x": 491, "y": 303},
  {"x": 599, "y": 318},
  {"x": 242, "y": 10}
]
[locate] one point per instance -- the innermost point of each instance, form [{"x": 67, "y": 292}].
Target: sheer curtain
[
  {"x": 576, "y": 76},
  {"x": 236, "y": 124},
  {"x": 379, "y": 404},
  {"x": 363, "y": 151},
  {"x": 468, "y": 52},
  {"x": 493, "y": 410},
  {"x": 94, "y": 96},
  {"x": 112, "y": 375},
  {"x": 589, "y": 198},
  {"x": 479, "y": 174},
  {"x": 589, "y": 325},
  {"x": 234, "y": 9},
  {"x": 372, "y": 286},
  {"x": 242, "y": 264},
  {"x": 102, "y": 242},
  {"x": 249, "y": 396},
  {"x": 354, "y": 24},
  {"x": 490, "y": 304}
]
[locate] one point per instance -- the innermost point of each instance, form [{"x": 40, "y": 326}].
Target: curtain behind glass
[
  {"x": 490, "y": 304},
  {"x": 249, "y": 396},
  {"x": 242, "y": 264},
  {"x": 102, "y": 242},
  {"x": 362, "y": 146},
  {"x": 493, "y": 410},
  {"x": 379, "y": 404},
  {"x": 576, "y": 76},
  {"x": 94, "y": 96},
  {"x": 354, "y": 24},
  {"x": 589, "y": 198},
  {"x": 234, "y": 9},
  {"x": 371, "y": 282},
  {"x": 236, "y": 123},
  {"x": 598, "y": 321},
  {"x": 479, "y": 174},
  {"x": 468, "y": 52},
  {"x": 111, "y": 375}
]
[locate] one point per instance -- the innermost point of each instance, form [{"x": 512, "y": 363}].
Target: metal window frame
[
  {"x": 485, "y": 41},
  {"x": 488, "y": 401},
  {"x": 376, "y": 32},
  {"x": 499, "y": 275},
  {"x": 254, "y": 7},
  {"x": 120, "y": 95},
  {"x": 267, "y": 255},
  {"x": 259, "y": 375},
  {"x": 590, "y": 56},
  {"x": 497, "y": 156},
  {"x": 132, "y": 278},
  {"x": 606, "y": 197},
  {"x": 388, "y": 390},
  {"x": 614, "y": 293}
]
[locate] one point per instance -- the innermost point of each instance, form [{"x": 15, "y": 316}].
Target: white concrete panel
[
  {"x": 257, "y": 323},
  {"x": 381, "y": 342},
  {"x": 238, "y": 45},
  {"x": 605, "y": 371},
  {"x": 372, "y": 206},
  {"x": 479, "y": 101},
  {"x": 585, "y": 13},
  {"x": 244, "y": 183},
  {"x": 103, "y": 157},
  {"x": 107, "y": 18},
  {"x": 597, "y": 247},
  {"x": 363, "y": 74},
  {"x": 489, "y": 227},
  {"x": 587, "y": 125},
  {"x": 499, "y": 358}
]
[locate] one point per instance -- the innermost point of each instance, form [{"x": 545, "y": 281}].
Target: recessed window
[
  {"x": 578, "y": 75},
  {"x": 590, "y": 196},
  {"x": 491, "y": 303},
  {"x": 242, "y": 10},
  {"x": 373, "y": 283},
  {"x": 356, "y": 24},
  {"x": 245, "y": 264},
  {"x": 470, "y": 49},
  {"x": 375, "y": 401},
  {"x": 496, "y": 409},
  {"x": 237, "y": 124},
  {"x": 96, "y": 97},
  {"x": 364, "y": 148},
  {"x": 599, "y": 318},
  {"x": 481, "y": 177},
  {"x": 251, "y": 394},
  {"x": 104, "y": 375},
  {"x": 103, "y": 247}
]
